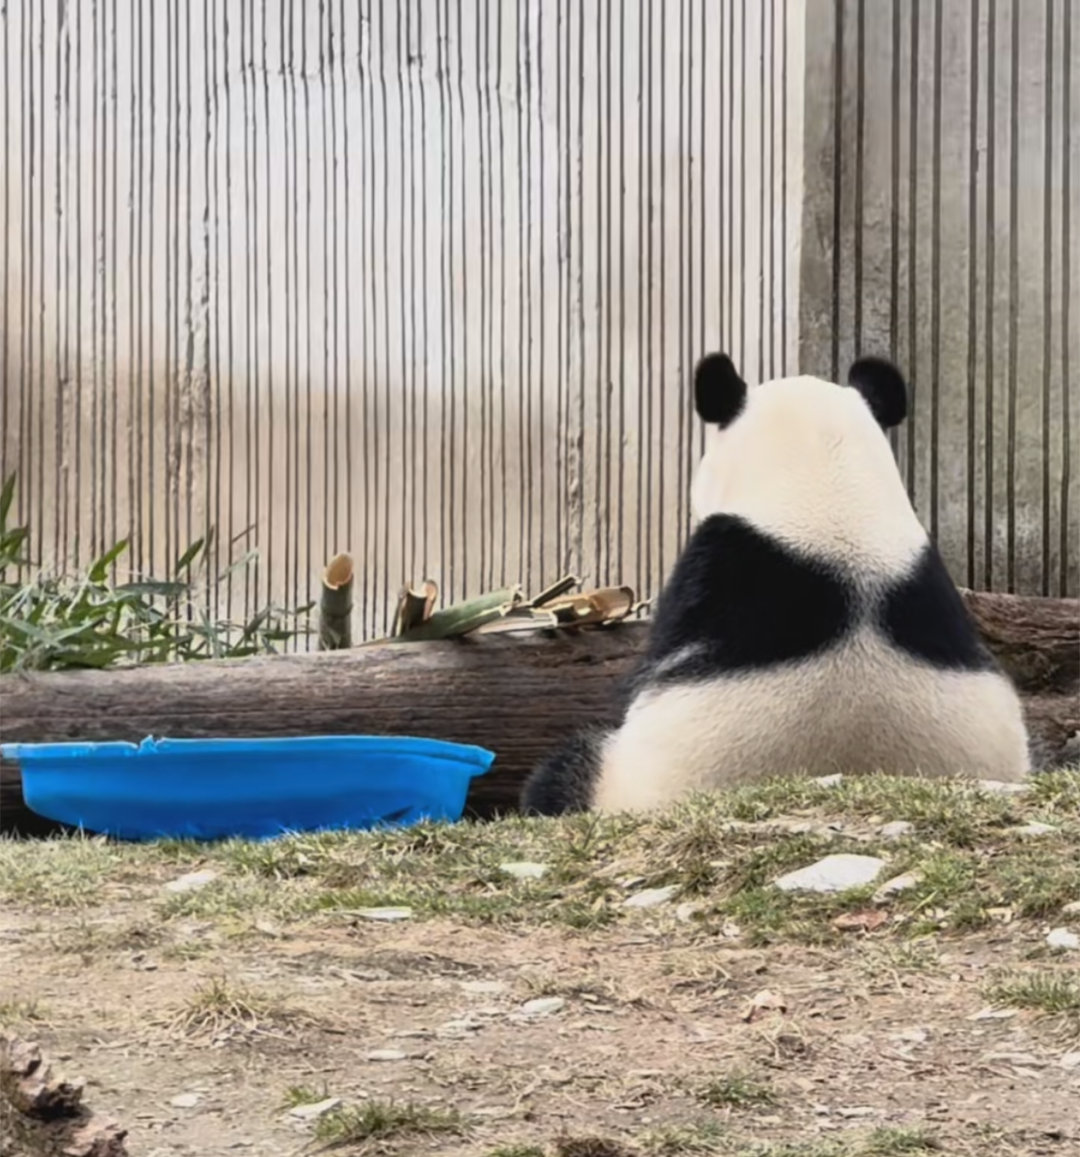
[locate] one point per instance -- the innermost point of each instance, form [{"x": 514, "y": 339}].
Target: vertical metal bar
[
  {"x": 972, "y": 306},
  {"x": 1067, "y": 334},
  {"x": 1014, "y": 290}
]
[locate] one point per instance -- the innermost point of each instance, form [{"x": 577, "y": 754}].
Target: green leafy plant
[{"x": 54, "y": 623}]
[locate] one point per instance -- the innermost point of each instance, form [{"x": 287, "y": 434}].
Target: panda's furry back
[{"x": 794, "y": 636}]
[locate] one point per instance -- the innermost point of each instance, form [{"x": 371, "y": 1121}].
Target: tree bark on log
[{"x": 517, "y": 695}]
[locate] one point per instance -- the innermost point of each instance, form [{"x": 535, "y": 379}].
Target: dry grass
[
  {"x": 736, "y": 1090},
  {"x": 221, "y": 1010},
  {"x": 711, "y": 1137},
  {"x": 384, "y": 1121},
  {"x": 720, "y": 852},
  {"x": 1051, "y": 992}
]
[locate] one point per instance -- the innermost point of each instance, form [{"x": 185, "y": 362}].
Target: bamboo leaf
[
  {"x": 162, "y": 588},
  {"x": 99, "y": 570},
  {"x": 7, "y": 496},
  {"x": 189, "y": 555}
]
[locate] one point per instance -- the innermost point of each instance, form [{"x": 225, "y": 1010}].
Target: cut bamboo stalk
[
  {"x": 606, "y": 605},
  {"x": 414, "y": 607},
  {"x": 464, "y": 617},
  {"x": 556, "y": 590},
  {"x": 335, "y": 605}
]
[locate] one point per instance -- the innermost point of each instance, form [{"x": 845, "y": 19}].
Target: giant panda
[{"x": 809, "y": 625}]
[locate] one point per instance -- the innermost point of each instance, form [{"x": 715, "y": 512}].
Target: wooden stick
[{"x": 335, "y": 605}]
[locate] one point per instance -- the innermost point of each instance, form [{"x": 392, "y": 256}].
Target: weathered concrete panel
[
  {"x": 942, "y": 192},
  {"x": 425, "y": 281}
]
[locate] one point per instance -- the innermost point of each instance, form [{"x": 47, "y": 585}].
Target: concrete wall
[
  {"x": 942, "y": 214},
  {"x": 424, "y": 281},
  {"x": 418, "y": 280}
]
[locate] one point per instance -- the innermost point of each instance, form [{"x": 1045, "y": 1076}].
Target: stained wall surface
[
  {"x": 942, "y": 213},
  {"x": 425, "y": 280}
]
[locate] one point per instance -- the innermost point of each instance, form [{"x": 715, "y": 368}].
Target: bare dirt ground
[{"x": 513, "y": 1025}]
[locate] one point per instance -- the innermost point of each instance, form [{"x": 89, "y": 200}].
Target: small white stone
[
  {"x": 1025, "y": 1060},
  {"x": 1062, "y": 938},
  {"x": 185, "y": 1101},
  {"x": 688, "y": 909},
  {"x": 993, "y": 1014},
  {"x": 458, "y": 1029},
  {"x": 386, "y": 914},
  {"x": 1072, "y": 908},
  {"x": 387, "y": 1055},
  {"x": 836, "y": 873},
  {"x": 315, "y": 1110},
  {"x": 544, "y": 1006},
  {"x": 1070, "y": 1061},
  {"x": 483, "y": 987},
  {"x": 1034, "y": 828},
  {"x": 192, "y": 881},
  {"x": 1003, "y": 787},
  {"x": 896, "y": 830},
  {"x": 524, "y": 869},
  {"x": 895, "y": 886},
  {"x": 829, "y": 780},
  {"x": 651, "y": 897}
]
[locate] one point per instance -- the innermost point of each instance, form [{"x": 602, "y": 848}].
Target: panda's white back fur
[
  {"x": 739, "y": 729},
  {"x": 806, "y": 464}
]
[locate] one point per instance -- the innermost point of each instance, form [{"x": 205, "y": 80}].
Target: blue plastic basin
[{"x": 215, "y": 788}]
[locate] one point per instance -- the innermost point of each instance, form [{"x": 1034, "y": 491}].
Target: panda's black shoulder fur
[
  {"x": 739, "y": 600},
  {"x": 923, "y": 615}
]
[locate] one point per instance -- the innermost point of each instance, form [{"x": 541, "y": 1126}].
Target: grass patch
[
  {"x": 590, "y": 1147},
  {"x": 1047, "y": 991},
  {"x": 236, "y": 897},
  {"x": 709, "y": 1137},
  {"x": 697, "y": 1137},
  {"x": 385, "y": 1121},
  {"x": 701, "y": 1138},
  {"x": 890, "y": 960},
  {"x": 21, "y": 1012},
  {"x": 297, "y": 1095},
  {"x": 516, "y": 1151},
  {"x": 722, "y": 851},
  {"x": 66, "y": 872},
  {"x": 895, "y": 1142},
  {"x": 736, "y": 1091},
  {"x": 221, "y": 1009}
]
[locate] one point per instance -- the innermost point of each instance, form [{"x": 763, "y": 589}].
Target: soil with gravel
[{"x": 540, "y": 1036}]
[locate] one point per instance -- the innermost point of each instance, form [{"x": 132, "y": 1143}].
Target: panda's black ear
[
  {"x": 883, "y": 388},
  {"x": 719, "y": 392}
]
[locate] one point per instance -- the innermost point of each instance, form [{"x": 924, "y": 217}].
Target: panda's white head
[{"x": 808, "y": 461}]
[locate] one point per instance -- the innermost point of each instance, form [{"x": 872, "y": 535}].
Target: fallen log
[
  {"x": 1037, "y": 640},
  {"x": 516, "y": 694}
]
